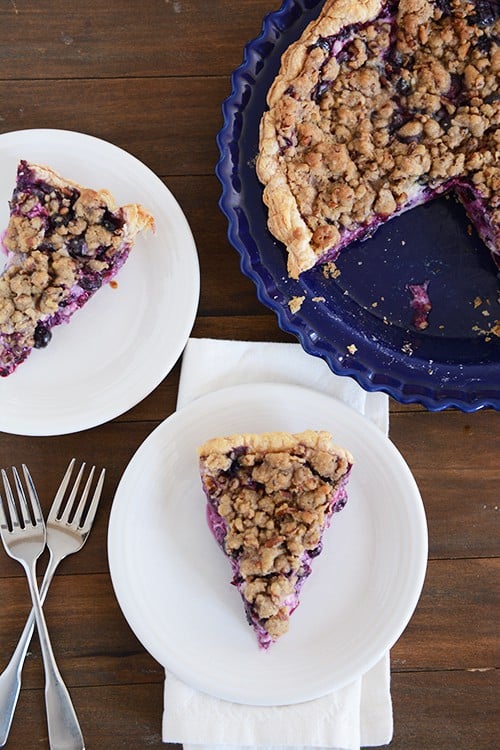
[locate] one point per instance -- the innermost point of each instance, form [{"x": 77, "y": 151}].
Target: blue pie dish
[{"x": 362, "y": 323}]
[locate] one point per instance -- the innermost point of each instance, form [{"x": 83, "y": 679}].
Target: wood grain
[
  {"x": 453, "y": 627},
  {"x": 168, "y": 123},
  {"x": 151, "y": 78},
  {"x": 439, "y": 710},
  {"x": 116, "y": 39}
]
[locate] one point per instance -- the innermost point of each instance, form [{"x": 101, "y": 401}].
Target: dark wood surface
[{"x": 151, "y": 78}]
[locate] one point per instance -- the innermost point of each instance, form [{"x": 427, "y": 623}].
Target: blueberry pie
[
  {"x": 381, "y": 106},
  {"x": 63, "y": 241},
  {"x": 270, "y": 497}
]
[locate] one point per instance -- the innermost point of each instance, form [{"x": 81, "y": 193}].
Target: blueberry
[
  {"x": 395, "y": 60},
  {"x": 91, "y": 282},
  {"x": 346, "y": 33},
  {"x": 443, "y": 117},
  {"x": 403, "y": 86},
  {"x": 484, "y": 44},
  {"x": 341, "y": 502},
  {"x": 467, "y": 193},
  {"x": 77, "y": 247},
  {"x": 234, "y": 456},
  {"x": 111, "y": 223},
  {"x": 58, "y": 220},
  {"x": 398, "y": 119},
  {"x": 316, "y": 551},
  {"x": 42, "y": 336}
]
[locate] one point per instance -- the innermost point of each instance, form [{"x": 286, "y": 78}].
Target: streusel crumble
[
  {"x": 63, "y": 242},
  {"x": 270, "y": 497},
  {"x": 379, "y": 107}
]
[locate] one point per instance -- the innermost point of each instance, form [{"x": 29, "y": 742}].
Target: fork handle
[
  {"x": 64, "y": 729},
  {"x": 10, "y": 679}
]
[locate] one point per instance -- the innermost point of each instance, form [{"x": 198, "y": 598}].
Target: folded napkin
[{"x": 358, "y": 715}]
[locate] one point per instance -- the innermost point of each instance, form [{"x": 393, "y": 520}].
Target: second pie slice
[
  {"x": 270, "y": 498},
  {"x": 62, "y": 243}
]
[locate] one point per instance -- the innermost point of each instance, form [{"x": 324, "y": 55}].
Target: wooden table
[{"x": 151, "y": 77}]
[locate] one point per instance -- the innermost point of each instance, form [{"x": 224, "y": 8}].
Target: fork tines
[
  {"x": 28, "y": 516},
  {"x": 83, "y": 516}
]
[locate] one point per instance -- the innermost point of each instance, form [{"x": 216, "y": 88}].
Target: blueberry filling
[
  {"x": 444, "y": 6},
  {"x": 420, "y": 304},
  {"x": 321, "y": 88},
  {"x": 486, "y": 13},
  {"x": 317, "y": 550}
]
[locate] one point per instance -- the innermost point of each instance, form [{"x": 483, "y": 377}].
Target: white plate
[
  {"x": 122, "y": 344},
  {"x": 172, "y": 581}
]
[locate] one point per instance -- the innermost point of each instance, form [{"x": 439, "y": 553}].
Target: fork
[
  {"x": 25, "y": 542},
  {"x": 64, "y": 537}
]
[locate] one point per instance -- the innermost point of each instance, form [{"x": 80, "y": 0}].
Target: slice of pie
[
  {"x": 63, "y": 242},
  {"x": 381, "y": 106},
  {"x": 270, "y": 497}
]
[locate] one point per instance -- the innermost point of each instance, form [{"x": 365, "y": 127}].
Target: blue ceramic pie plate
[{"x": 361, "y": 323}]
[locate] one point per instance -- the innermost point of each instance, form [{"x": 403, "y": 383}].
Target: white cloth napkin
[{"x": 358, "y": 715}]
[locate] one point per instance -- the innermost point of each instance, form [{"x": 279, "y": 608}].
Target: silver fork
[{"x": 64, "y": 536}]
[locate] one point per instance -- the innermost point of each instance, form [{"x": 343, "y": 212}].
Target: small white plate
[
  {"x": 172, "y": 581},
  {"x": 125, "y": 340}
]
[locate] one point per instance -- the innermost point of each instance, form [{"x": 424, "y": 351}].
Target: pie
[
  {"x": 377, "y": 108},
  {"x": 63, "y": 242},
  {"x": 270, "y": 497}
]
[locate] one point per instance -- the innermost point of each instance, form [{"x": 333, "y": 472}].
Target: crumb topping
[
  {"x": 47, "y": 218},
  {"x": 296, "y": 303},
  {"x": 276, "y": 500},
  {"x": 383, "y": 114},
  {"x": 33, "y": 289}
]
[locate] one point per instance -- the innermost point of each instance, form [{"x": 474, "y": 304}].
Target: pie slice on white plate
[
  {"x": 270, "y": 498},
  {"x": 63, "y": 242}
]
